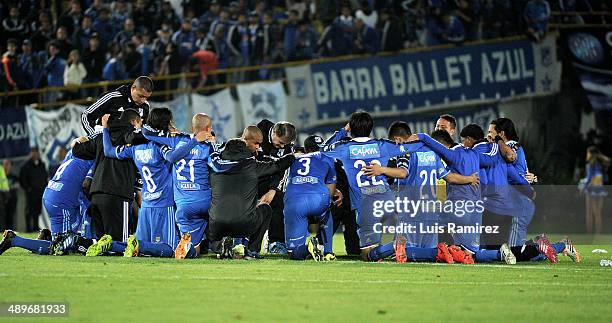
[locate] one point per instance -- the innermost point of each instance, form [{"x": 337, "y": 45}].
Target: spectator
[
  {"x": 65, "y": 45},
  {"x": 74, "y": 74},
  {"x": 103, "y": 25},
  {"x": 142, "y": 13},
  {"x": 306, "y": 41},
  {"x": 391, "y": 36},
  {"x": 223, "y": 20},
  {"x": 205, "y": 61},
  {"x": 270, "y": 34},
  {"x": 168, "y": 16},
  {"x": 80, "y": 39},
  {"x": 238, "y": 41},
  {"x": 492, "y": 18},
  {"x": 126, "y": 34},
  {"x": 333, "y": 41},
  {"x": 299, "y": 7},
  {"x": 43, "y": 34},
  {"x": 290, "y": 36},
  {"x": 467, "y": 13},
  {"x": 185, "y": 40},
  {"x": 191, "y": 17},
  {"x": 71, "y": 19},
  {"x": 94, "y": 59},
  {"x": 132, "y": 59},
  {"x": 114, "y": 70},
  {"x": 171, "y": 64},
  {"x": 4, "y": 199},
  {"x": 10, "y": 66},
  {"x": 31, "y": 64},
  {"x": 201, "y": 38},
  {"x": 11, "y": 204},
  {"x": 121, "y": 12},
  {"x": 256, "y": 43},
  {"x": 413, "y": 22},
  {"x": 366, "y": 40},
  {"x": 14, "y": 26},
  {"x": 369, "y": 16},
  {"x": 54, "y": 69},
  {"x": 217, "y": 44},
  {"x": 454, "y": 31},
  {"x": 145, "y": 54},
  {"x": 94, "y": 10},
  {"x": 346, "y": 23},
  {"x": 211, "y": 15},
  {"x": 33, "y": 179},
  {"x": 159, "y": 47},
  {"x": 537, "y": 14}
]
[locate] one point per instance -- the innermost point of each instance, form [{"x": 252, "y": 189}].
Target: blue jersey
[
  {"x": 460, "y": 160},
  {"x": 310, "y": 173},
  {"x": 154, "y": 169},
  {"x": 64, "y": 188},
  {"x": 425, "y": 167},
  {"x": 521, "y": 162},
  {"x": 359, "y": 152},
  {"x": 191, "y": 159}
]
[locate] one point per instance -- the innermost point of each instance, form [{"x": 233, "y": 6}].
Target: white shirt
[
  {"x": 369, "y": 20},
  {"x": 74, "y": 74}
]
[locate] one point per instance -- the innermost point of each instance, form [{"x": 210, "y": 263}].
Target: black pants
[
  {"x": 252, "y": 226},
  {"x": 4, "y": 200},
  {"x": 34, "y": 208},
  {"x": 344, "y": 215},
  {"x": 276, "y": 231},
  {"x": 112, "y": 215}
]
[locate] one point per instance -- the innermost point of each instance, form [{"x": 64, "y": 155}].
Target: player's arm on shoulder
[
  {"x": 393, "y": 172},
  {"x": 85, "y": 149},
  {"x": 506, "y": 151},
  {"x": 267, "y": 168},
  {"x": 449, "y": 155},
  {"x": 110, "y": 151},
  {"x": 173, "y": 155},
  {"x": 160, "y": 137},
  {"x": 458, "y": 179}
]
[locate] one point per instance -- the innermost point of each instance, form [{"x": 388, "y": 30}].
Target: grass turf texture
[{"x": 277, "y": 289}]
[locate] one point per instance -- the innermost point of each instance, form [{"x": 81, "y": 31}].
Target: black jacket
[
  {"x": 33, "y": 177},
  {"x": 270, "y": 153},
  {"x": 114, "y": 103},
  {"x": 111, "y": 176},
  {"x": 234, "y": 182}
]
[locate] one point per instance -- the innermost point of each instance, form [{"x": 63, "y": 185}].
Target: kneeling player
[{"x": 311, "y": 183}]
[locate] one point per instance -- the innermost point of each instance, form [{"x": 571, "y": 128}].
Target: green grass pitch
[{"x": 113, "y": 289}]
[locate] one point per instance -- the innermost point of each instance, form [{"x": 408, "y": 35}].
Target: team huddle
[{"x": 196, "y": 195}]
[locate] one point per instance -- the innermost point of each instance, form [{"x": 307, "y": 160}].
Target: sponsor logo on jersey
[
  {"x": 364, "y": 151},
  {"x": 144, "y": 156},
  {"x": 304, "y": 180},
  {"x": 148, "y": 196},
  {"x": 56, "y": 186},
  {"x": 189, "y": 186},
  {"x": 427, "y": 158}
]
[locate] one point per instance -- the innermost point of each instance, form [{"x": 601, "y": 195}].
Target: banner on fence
[
  {"x": 221, "y": 107},
  {"x": 262, "y": 100},
  {"x": 14, "y": 140}
]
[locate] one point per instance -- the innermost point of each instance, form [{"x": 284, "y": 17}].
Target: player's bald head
[
  {"x": 252, "y": 132},
  {"x": 201, "y": 122}
]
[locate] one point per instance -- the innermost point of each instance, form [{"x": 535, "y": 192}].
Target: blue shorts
[
  {"x": 192, "y": 218},
  {"x": 63, "y": 220},
  {"x": 300, "y": 210},
  {"x": 157, "y": 225},
  {"x": 370, "y": 218}
]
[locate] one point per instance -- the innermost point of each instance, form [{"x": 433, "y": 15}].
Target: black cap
[{"x": 314, "y": 142}]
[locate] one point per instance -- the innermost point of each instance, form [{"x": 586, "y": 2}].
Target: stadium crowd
[{"x": 57, "y": 43}]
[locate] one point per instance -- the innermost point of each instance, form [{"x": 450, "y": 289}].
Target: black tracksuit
[
  {"x": 276, "y": 231},
  {"x": 234, "y": 211},
  {"x": 113, "y": 103}
]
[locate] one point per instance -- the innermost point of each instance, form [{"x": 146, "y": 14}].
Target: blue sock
[
  {"x": 192, "y": 253},
  {"x": 381, "y": 252},
  {"x": 484, "y": 255},
  {"x": 300, "y": 253},
  {"x": 559, "y": 247},
  {"x": 327, "y": 234},
  {"x": 40, "y": 247},
  {"x": 421, "y": 254},
  {"x": 117, "y": 247},
  {"x": 155, "y": 249}
]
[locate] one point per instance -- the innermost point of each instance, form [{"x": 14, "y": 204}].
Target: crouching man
[{"x": 234, "y": 210}]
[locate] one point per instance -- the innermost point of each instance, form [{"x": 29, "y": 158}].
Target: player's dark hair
[
  {"x": 399, "y": 129},
  {"x": 507, "y": 126},
  {"x": 473, "y": 131},
  {"x": 361, "y": 124},
  {"x": 145, "y": 83},
  {"x": 442, "y": 137},
  {"x": 285, "y": 130},
  {"x": 160, "y": 118},
  {"x": 451, "y": 119},
  {"x": 129, "y": 115}
]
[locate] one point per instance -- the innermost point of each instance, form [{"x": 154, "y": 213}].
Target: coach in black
[
  {"x": 278, "y": 141},
  {"x": 235, "y": 211},
  {"x": 115, "y": 102}
]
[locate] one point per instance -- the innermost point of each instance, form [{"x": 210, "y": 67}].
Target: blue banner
[
  {"x": 14, "y": 139},
  {"x": 409, "y": 83}
]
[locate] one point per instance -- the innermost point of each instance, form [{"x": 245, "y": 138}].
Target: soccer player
[
  {"x": 464, "y": 160},
  {"x": 61, "y": 200},
  {"x": 192, "y": 193},
  {"x": 156, "y": 232},
  {"x": 310, "y": 186},
  {"x": 365, "y": 192}
]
